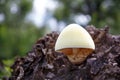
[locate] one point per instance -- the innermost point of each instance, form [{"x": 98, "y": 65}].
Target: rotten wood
[{"x": 43, "y": 63}]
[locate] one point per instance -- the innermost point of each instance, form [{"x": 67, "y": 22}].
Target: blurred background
[{"x": 22, "y": 22}]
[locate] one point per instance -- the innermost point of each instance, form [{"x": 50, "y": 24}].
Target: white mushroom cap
[{"x": 74, "y": 36}]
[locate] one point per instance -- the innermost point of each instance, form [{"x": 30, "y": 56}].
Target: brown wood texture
[{"x": 43, "y": 63}]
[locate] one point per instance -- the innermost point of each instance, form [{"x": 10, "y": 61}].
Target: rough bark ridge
[{"x": 43, "y": 63}]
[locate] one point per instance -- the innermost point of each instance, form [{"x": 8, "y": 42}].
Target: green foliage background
[
  {"x": 102, "y": 12},
  {"x": 17, "y": 35}
]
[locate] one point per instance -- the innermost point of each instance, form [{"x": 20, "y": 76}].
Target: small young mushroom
[{"x": 75, "y": 42}]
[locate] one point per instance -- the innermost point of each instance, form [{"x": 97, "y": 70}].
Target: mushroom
[{"x": 75, "y": 42}]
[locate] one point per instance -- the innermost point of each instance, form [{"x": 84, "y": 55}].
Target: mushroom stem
[
  {"x": 79, "y": 55},
  {"x": 75, "y": 52}
]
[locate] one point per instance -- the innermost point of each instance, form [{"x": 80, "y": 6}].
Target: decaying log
[{"x": 43, "y": 63}]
